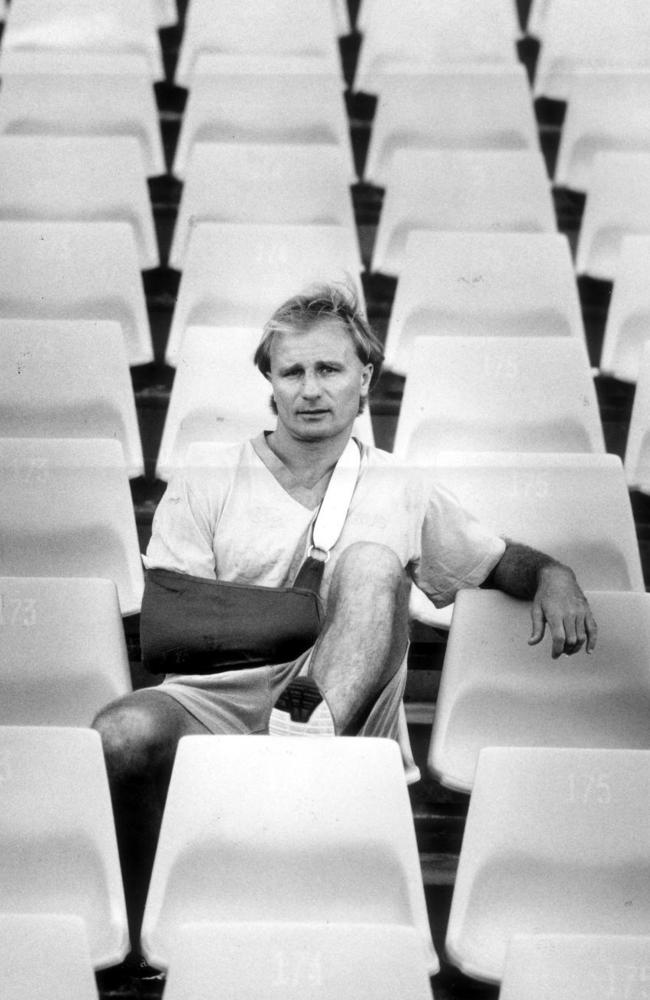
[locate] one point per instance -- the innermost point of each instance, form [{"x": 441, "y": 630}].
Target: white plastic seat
[
  {"x": 279, "y": 26},
  {"x": 218, "y": 395},
  {"x": 237, "y": 275},
  {"x": 53, "y": 62},
  {"x": 556, "y": 841},
  {"x": 575, "y": 966},
  {"x": 264, "y": 108},
  {"x": 58, "y": 853},
  {"x": 45, "y": 955},
  {"x": 66, "y": 510},
  {"x": 607, "y": 111},
  {"x": 426, "y": 35},
  {"x": 498, "y": 691},
  {"x": 460, "y": 191},
  {"x": 533, "y": 394},
  {"x": 269, "y": 183},
  {"x": 283, "y": 960},
  {"x": 575, "y": 507},
  {"x": 618, "y": 202},
  {"x": 119, "y": 25},
  {"x": 506, "y": 13},
  {"x": 325, "y": 836},
  {"x": 63, "y": 654},
  {"x": 75, "y": 270},
  {"x": 627, "y": 327},
  {"x": 60, "y": 379},
  {"x": 467, "y": 107},
  {"x": 101, "y": 103},
  {"x": 637, "y": 451},
  {"x": 591, "y": 35},
  {"x": 503, "y": 284},
  {"x": 78, "y": 179}
]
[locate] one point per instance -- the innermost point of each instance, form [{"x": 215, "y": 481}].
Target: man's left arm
[{"x": 557, "y": 600}]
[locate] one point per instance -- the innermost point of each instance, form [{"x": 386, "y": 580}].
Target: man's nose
[{"x": 310, "y": 385}]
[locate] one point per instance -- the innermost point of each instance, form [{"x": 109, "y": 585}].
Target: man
[{"x": 250, "y": 521}]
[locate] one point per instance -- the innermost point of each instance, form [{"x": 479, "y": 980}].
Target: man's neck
[{"x": 307, "y": 459}]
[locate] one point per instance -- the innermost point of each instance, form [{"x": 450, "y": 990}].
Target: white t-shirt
[{"x": 236, "y": 522}]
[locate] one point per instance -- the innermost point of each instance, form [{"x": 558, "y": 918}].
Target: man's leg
[
  {"x": 365, "y": 635},
  {"x": 140, "y": 733}
]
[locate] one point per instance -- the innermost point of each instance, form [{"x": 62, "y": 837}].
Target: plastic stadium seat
[
  {"x": 58, "y": 853},
  {"x": 326, "y": 836},
  {"x": 557, "y": 841},
  {"x": 102, "y": 104},
  {"x": 237, "y": 275},
  {"x": 74, "y": 270},
  {"x": 66, "y": 510},
  {"x": 628, "y": 318},
  {"x": 618, "y": 202},
  {"x": 505, "y": 12},
  {"x": 45, "y": 955},
  {"x": 518, "y": 394},
  {"x": 274, "y": 183},
  {"x": 279, "y": 26},
  {"x": 467, "y": 107},
  {"x": 498, "y": 691},
  {"x": 55, "y": 62},
  {"x": 425, "y": 35},
  {"x": 283, "y": 960},
  {"x": 261, "y": 64},
  {"x": 218, "y": 395},
  {"x": 575, "y": 507},
  {"x": 119, "y": 25},
  {"x": 504, "y": 284},
  {"x": 78, "y": 179},
  {"x": 606, "y": 111},
  {"x": 461, "y": 190},
  {"x": 60, "y": 379},
  {"x": 575, "y": 966},
  {"x": 591, "y": 35},
  {"x": 637, "y": 451},
  {"x": 63, "y": 654},
  {"x": 264, "y": 108}
]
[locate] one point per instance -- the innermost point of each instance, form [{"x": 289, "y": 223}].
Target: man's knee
[
  {"x": 134, "y": 739},
  {"x": 372, "y": 566}
]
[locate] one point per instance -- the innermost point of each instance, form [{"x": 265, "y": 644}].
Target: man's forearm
[{"x": 518, "y": 571}]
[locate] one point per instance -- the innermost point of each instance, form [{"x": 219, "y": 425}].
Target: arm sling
[{"x": 193, "y": 625}]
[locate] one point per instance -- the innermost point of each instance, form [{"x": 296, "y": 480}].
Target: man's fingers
[
  {"x": 592, "y": 631},
  {"x": 558, "y": 636},
  {"x": 537, "y": 633}
]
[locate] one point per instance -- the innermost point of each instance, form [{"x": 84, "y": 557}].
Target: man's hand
[{"x": 560, "y": 603}]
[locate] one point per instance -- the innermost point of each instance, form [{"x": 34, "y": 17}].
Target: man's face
[{"x": 318, "y": 380}]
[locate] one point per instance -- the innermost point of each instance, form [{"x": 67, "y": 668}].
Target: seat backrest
[
  {"x": 575, "y": 507},
  {"x": 279, "y": 26},
  {"x": 556, "y": 841},
  {"x": 490, "y": 284},
  {"x": 266, "y": 107},
  {"x": 430, "y": 34},
  {"x": 61, "y": 378},
  {"x": 45, "y": 955},
  {"x": 270, "y": 183},
  {"x": 618, "y": 202},
  {"x": 62, "y": 650},
  {"x": 607, "y": 110},
  {"x": 237, "y": 275},
  {"x": 627, "y": 326},
  {"x": 516, "y": 394},
  {"x": 331, "y": 813},
  {"x": 461, "y": 191},
  {"x": 575, "y": 966},
  {"x": 281, "y": 960},
  {"x": 498, "y": 691},
  {"x": 58, "y": 849},
  {"x": 75, "y": 271},
  {"x": 98, "y": 102},
  {"x": 637, "y": 448},
  {"x": 71, "y": 24},
  {"x": 78, "y": 179},
  {"x": 66, "y": 510},
  {"x": 467, "y": 107}
]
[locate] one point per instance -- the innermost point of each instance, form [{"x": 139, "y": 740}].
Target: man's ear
[{"x": 366, "y": 378}]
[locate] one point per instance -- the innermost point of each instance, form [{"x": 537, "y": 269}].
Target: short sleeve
[
  {"x": 181, "y": 535},
  {"x": 456, "y": 549}
]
